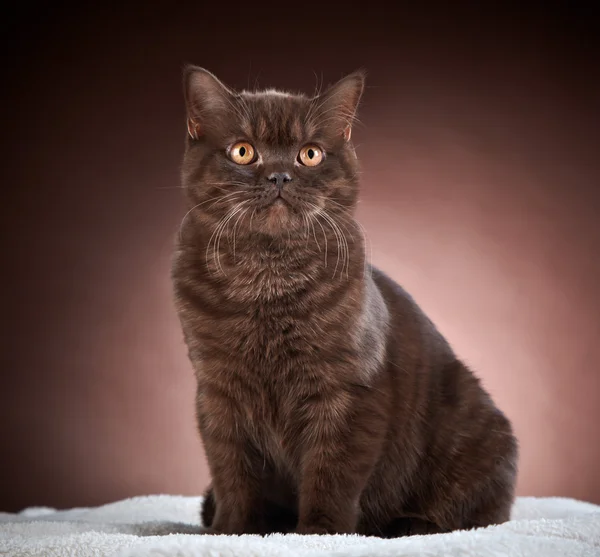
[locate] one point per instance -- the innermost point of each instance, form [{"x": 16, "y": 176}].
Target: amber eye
[
  {"x": 242, "y": 153},
  {"x": 310, "y": 155}
]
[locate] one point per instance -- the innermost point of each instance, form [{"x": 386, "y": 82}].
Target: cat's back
[
  {"x": 440, "y": 393},
  {"x": 412, "y": 333},
  {"x": 421, "y": 357}
]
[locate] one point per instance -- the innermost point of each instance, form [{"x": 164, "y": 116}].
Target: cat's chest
[
  {"x": 273, "y": 321},
  {"x": 274, "y": 420},
  {"x": 268, "y": 281},
  {"x": 275, "y": 350}
]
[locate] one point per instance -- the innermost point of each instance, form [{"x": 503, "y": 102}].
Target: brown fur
[{"x": 327, "y": 401}]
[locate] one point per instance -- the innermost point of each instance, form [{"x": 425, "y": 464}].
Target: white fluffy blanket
[{"x": 143, "y": 526}]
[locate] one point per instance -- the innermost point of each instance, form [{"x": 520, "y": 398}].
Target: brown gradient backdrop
[{"x": 481, "y": 196}]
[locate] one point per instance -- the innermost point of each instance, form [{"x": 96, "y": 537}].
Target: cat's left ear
[{"x": 338, "y": 105}]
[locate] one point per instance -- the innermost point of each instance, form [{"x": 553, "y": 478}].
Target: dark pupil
[
  {"x": 242, "y": 151},
  {"x": 311, "y": 153}
]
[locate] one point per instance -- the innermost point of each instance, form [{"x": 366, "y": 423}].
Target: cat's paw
[
  {"x": 207, "y": 531},
  {"x": 320, "y": 530},
  {"x": 235, "y": 527},
  {"x": 313, "y": 531}
]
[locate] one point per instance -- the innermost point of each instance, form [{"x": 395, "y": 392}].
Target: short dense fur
[{"x": 327, "y": 401}]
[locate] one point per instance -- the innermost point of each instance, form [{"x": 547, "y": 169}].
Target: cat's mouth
[
  {"x": 280, "y": 213},
  {"x": 280, "y": 200}
]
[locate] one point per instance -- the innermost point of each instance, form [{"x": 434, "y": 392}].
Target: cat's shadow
[{"x": 158, "y": 528}]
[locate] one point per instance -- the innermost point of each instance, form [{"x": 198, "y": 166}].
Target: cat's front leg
[
  {"x": 340, "y": 453},
  {"x": 329, "y": 495},
  {"x": 237, "y": 502},
  {"x": 234, "y": 469}
]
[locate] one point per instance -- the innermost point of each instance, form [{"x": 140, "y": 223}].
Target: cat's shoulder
[{"x": 389, "y": 286}]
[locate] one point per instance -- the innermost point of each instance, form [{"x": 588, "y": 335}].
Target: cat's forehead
[{"x": 276, "y": 117}]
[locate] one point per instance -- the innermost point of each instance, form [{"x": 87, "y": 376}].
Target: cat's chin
[{"x": 277, "y": 217}]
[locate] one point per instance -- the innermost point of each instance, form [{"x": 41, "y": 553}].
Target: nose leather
[{"x": 279, "y": 178}]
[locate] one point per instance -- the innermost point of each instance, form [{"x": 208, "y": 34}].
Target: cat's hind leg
[
  {"x": 208, "y": 508},
  {"x": 400, "y": 527}
]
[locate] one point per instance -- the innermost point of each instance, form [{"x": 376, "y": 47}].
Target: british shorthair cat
[{"x": 327, "y": 401}]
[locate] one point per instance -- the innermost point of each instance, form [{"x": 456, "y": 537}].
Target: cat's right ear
[
  {"x": 337, "y": 106},
  {"x": 207, "y": 100}
]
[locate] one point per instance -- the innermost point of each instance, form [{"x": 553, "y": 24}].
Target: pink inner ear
[
  {"x": 193, "y": 128},
  {"x": 347, "y": 133}
]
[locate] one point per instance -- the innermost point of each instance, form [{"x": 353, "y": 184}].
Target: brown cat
[{"x": 327, "y": 401}]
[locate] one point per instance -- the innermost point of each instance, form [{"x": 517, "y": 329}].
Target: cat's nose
[{"x": 279, "y": 178}]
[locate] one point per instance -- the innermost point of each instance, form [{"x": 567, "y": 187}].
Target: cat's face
[{"x": 270, "y": 162}]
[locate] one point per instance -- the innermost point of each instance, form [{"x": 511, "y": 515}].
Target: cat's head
[{"x": 270, "y": 162}]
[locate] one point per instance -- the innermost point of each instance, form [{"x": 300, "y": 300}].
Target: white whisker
[
  {"x": 222, "y": 228},
  {"x": 218, "y": 200},
  {"x": 214, "y": 235},
  {"x": 235, "y": 226},
  {"x": 345, "y": 250}
]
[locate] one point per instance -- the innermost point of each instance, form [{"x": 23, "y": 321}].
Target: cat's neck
[
  {"x": 265, "y": 268},
  {"x": 321, "y": 256}
]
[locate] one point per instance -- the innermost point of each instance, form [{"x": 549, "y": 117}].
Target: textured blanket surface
[{"x": 164, "y": 525}]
